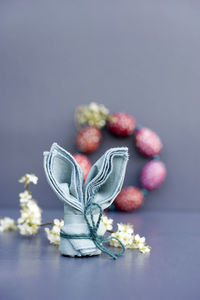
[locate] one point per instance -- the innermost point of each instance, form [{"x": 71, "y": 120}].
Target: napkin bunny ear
[
  {"x": 64, "y": 176},
  {"x": 106, "y": 177},
  {"x": 102, "y": 184}
]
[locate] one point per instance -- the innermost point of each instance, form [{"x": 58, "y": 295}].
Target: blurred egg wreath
[{"x": 90, "y": 119}]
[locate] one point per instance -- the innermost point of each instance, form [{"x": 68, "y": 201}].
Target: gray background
[{"x": 136, "y": 56}]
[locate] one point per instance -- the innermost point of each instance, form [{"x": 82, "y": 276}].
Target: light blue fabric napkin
[{"x": 101, "y": 186}]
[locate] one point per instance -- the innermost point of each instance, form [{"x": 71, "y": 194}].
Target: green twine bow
[{"x": 93, "y": 227}]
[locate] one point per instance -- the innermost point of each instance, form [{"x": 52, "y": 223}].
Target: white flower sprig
[
  {"x": 31, "y": 214},
  {"x": 30, "y": 218},
  {"x": 125, "y": 233}
]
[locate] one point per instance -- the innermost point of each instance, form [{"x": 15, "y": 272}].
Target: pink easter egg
[
  {"x": 153, "y": 174},
  {"x": 148, "y": 142}
]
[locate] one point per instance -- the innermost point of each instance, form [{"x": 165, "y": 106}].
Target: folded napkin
[{"x": 84, "y": 202}]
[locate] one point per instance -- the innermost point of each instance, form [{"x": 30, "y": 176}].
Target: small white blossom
[
  {"x": 93, "y": 114},
  {"x": 126, "y": 228},
  {"x": 124, "y": 237},
  {"x": 27, "y": 229},
  {"x": 53, "y": 235},
  {"x": 114, "y": 242},
  {"x": 7, "y": 224},
  {"x": 138, "y": 242},
  {"x": 32, "y": 178},
  {"x": 93, "y": 106},
  {"x": 145, "y": 249},
  {"x": 28, "y": 178},
  {"x": 22, "y": 179},
  {"x": 30, "y": 218},
  {"x": 58, "y": 223},
  {"x": 124, "y": 234},
  {"x": 24, "y": 197},
  {"x": 107, "y": 222}
]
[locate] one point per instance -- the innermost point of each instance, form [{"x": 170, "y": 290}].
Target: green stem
[
  {"x": 111, "y": 231},
  {"x": 47, "y": 223},
  {"x": 26, "y": 185}
]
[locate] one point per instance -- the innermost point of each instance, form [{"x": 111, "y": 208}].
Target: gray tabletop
[{"x": 32, "y": 268}]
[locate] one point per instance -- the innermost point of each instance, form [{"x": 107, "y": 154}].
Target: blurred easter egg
[
  {"x": 88, "y": 139},
  {"x": 121, "y": 124},
  {"x": 148, "y": 142},
  {"x": 84, "y": 163},
  {"x": 153, "y": 174},
  {"x": 129, "y": 199}
]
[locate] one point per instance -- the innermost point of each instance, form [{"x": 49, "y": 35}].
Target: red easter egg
[
  {"x": 129, "y": 199},
  {"x": 88, "y": 139},
  {"x": 148, "y": 142},
  {"x": 153, "y": 174},
  {"x": 121, "y": 124}
]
